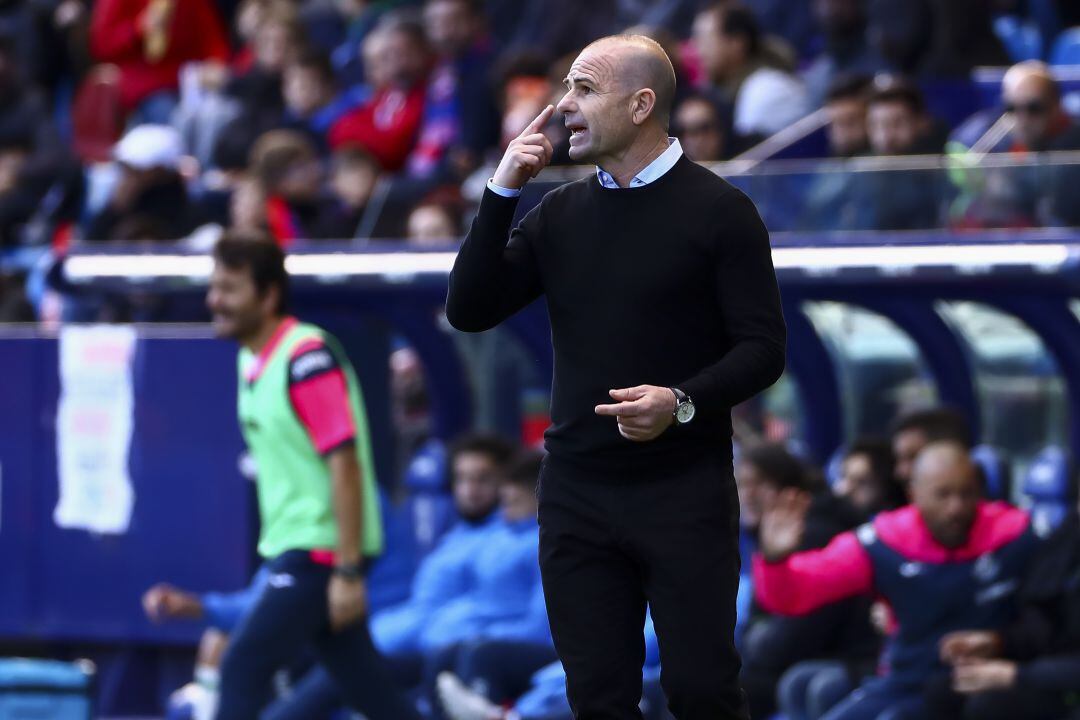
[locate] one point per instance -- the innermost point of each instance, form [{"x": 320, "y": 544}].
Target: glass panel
[
  {"x": 775, "y": 415},
  {"x": 1019, "y": 385},
  {"x": 880, "y": 369}
]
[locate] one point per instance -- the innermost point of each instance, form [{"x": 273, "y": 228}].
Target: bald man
[
  {"x": 1033, "y": 98},
  {"x": 664, "y": 314},
  {"x": 947, "y": 562}
]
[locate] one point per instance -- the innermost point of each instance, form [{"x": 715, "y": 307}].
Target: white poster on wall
[{"x": 93, "y": 428}]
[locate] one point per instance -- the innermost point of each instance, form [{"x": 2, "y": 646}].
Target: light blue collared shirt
[{"x": 650, "y": 173}]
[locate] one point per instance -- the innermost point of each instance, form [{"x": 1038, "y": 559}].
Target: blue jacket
[
  {"x": 444, "y": 575},
  {"x": 505, "y": 600}
]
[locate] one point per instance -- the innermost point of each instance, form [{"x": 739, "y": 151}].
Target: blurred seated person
[
  {"x": 477, "y": 463},
  {"x": 354, "y": 177},
  {"x": 434, "y": 224},
  {"x": 497, "y": 637},
  {"x": 772, "y": 643},
  {"x": 242, "y": 100},
  {"x": 149, "y": 40},
  {"x": 898, "y": 198},
  {"x": 1028, "y": 195},
  {"x": 150, "y": 190},
  {"x": 765, "y": 98},
  {"x": 290, "y": 173},
  {"x": 846, "y": 106},
  {"x": 1031, "y": 668},
  {"x": 948, "y": 561},
  {"x": 866, "y": 482},
  {"x": 460, "y": 121},
  {"x": 697, "y": 124},
  {"x": 914, "y": 430},
  {"x": 312, "y": 100},
  {"x": 396, "y": 62},
  {"x": 827, "y": 204}
]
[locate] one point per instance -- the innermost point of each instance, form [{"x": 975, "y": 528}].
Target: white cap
[{"x": 149, "y": 146}]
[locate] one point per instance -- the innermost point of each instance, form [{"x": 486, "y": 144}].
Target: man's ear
[{"x": 642, "y": 105}]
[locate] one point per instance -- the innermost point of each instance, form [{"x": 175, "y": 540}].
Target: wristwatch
[
  {"x": 349, "y": 572},
  {"x": 684, "y": 407}
]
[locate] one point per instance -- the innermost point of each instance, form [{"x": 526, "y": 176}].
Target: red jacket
[
  {"x": 386, "y": 126},
  {"x": 195, "y": 33}
]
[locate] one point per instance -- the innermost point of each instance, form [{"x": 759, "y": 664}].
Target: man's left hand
[
  {"x": 643, "y": 412},
  {"x": 984, "y": 675}
]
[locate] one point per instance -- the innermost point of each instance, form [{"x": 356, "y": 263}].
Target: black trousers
[
  {"x": 608, "y": 547},
  {"x": 290, "y": 616}
]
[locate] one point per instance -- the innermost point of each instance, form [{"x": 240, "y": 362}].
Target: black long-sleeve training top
[{"x": 668, "y": 284}]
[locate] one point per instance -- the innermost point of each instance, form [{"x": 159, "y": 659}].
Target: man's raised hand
[{"x": 526, "y": 155}]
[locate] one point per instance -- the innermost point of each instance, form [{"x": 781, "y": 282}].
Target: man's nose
[{"x": 565, "y": 105}]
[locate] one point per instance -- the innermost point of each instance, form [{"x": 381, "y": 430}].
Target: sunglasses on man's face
[{"x": 1035, "y": 107}]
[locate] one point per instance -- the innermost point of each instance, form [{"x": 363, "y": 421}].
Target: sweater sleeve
[
  {"x": 493, "y": 278},
  {"x": 808, "y": 580},
  {"x": 749, "y": 301},
  {"x": 1055, "y": 673}
]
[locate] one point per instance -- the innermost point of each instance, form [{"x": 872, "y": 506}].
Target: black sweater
[{"x": 667, "y": 284}]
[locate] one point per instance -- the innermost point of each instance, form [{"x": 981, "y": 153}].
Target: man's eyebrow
[{"x": 578, "y": 79}]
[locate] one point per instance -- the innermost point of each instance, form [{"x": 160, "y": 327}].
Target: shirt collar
[
  {"x": 651, "y": 172},
  {"x": 258, "y": 362}
]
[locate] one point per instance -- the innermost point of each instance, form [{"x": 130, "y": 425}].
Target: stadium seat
[
  {"x": 1066, "y": 50},
  {"x": 1021, "y": 39},
  {"x": 1048, "y": 487},
  {"x": 995, "y": 471}
]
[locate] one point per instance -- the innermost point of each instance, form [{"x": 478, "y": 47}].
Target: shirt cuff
[{"x": 504, "y": 192}]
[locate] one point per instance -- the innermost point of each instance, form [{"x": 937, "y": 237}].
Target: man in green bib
[{"x": 302, "y": 416}]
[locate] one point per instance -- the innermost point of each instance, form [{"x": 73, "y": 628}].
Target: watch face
[{"x": 685, "y": 412}]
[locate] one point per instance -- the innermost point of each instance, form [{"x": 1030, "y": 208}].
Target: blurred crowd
[
  {"x": 162, "y": 120},
  {"x": 897, "y": 582}
]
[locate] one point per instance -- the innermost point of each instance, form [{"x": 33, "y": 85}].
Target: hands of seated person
[
  {"x": 643, "y": 413},
  {"x": 783, "y": 524},
  {"x": 957, "y": 647},
  {"x": 982, "y": 675}
]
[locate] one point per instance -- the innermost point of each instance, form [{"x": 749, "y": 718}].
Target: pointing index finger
[{"x": 540, "y": 121}]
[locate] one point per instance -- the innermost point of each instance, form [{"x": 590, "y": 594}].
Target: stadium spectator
[
  {"x": 149, "y": 40},
  {"x": 699, "y": 127},
  {"x": 913, "y": 431},
  {"x": 847, "y": 48},
  {"x": 354, "y": 176},
  {"x": 1030, "y": 669},
  {"x": 477, "y": 464},
  {"x": 947, "y": 562},
  {"x": 866, "y": 479},
  {"x": 433, "y": 224},
  {"x": 245, "y": 100},
  {"x": 396, "y": 60},
  {"x": 150, "y": 193},
  {"x": 290, "y": 172},
  {"x": 772, "y": 643},
  {"x": 501, "y": 659},
  {"x": 247, "y": 206},
  {"x": 765, "y": 99},
  {"x": 312, "y": 101},
  {"x": 503, "y": 606},
  {"x": 1028, "y": 195},
  {"x": 460, "y": 118},
  {"x": 846, "y": 106},
  {"x": 888, "y": 198}
]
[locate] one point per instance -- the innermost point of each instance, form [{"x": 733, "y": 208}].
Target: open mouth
[{"x": 576, "y": 130}]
